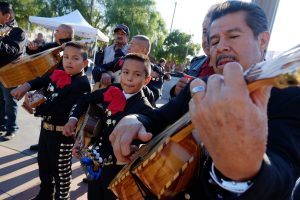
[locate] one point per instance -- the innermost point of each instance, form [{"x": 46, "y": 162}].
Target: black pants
[
  {"x": 54, "y": 160},
  {"x": 98, "y": 189}
]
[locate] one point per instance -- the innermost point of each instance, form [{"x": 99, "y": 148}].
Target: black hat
[{"x": 123, "y": 28}]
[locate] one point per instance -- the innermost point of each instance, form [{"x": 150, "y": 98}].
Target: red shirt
[{"x": 206, "y": 70}]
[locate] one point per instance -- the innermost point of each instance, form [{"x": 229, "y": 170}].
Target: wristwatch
[{"x": 237, "y": 187}]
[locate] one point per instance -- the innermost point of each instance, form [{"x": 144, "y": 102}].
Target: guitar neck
[{"x": 281, "y": 72}]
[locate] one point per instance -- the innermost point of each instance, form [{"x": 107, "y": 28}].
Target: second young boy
[{"x": 118, "y": 101}]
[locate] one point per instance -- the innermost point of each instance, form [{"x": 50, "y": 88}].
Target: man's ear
[
  {"x": 264, "y": 38},
  {"x": 148, "y": 79}
]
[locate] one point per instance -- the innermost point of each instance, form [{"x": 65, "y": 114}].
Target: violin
[{"x": 168, "y": 163}]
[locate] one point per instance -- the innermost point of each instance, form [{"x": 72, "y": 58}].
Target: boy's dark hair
[
  {"x": 7, "y": 8},
  {"x": 162, "y": 60},
  {"x": 142, "y": 58},
  {"x": 78, "y": 46},
  {"x": 255, "y": 16}
]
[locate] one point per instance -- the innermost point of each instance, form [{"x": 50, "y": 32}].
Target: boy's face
[
  {"x": 133, "y": 76},
  {"x": 73, "y": 62},
  {"x": 4, "y": 18}
]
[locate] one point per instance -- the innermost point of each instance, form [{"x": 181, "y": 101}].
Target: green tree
[
  {"x": 178, "y": 45},
  {"x": 25, "y": 8},
  {"x": 140, "y": 16}
]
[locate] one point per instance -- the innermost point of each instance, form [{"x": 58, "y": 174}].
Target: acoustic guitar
[
  {"x": 168, "y": 163},
  {"x": 27, "y": 68}
]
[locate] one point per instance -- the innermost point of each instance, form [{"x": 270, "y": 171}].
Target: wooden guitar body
[
  {"x": 172, "y": 160},
  {"x": 29, "y": 67}
]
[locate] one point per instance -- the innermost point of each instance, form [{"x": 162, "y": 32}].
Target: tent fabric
[{"x": 81, "y": 27}]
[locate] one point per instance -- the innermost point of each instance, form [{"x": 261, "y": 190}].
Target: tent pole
[{"x": 95, "y": 51}]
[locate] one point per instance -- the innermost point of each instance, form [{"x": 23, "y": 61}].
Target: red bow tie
[
  {"x": 60, "y": 78},
  {"x": 116, "y": 98}
]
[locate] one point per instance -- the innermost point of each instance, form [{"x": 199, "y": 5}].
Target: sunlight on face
[
  {"x": 232, "y": 40},
  {"x": 133, "y": 76},
  {"x": 73, "y": 62}
]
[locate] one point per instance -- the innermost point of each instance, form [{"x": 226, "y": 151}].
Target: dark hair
[
  {"x": 78, "y": 46},
  {"x": 255, "y": 16},
  {"x": 162, "y": 60},
  {"x": 142, "y": 58},
  {"x": 7, "y": 8}
]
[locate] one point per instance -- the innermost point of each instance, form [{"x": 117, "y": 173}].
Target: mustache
[{"x": 221, "y": 57}]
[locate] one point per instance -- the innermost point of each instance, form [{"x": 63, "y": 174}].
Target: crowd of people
[{"x": 251, "y": 139}]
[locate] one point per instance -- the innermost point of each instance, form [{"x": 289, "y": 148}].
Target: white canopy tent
[{"x": 81, "y": 27}]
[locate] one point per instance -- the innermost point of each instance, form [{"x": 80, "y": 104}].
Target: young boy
[
  {"x": 118, "y": 100},
  {"x": 62, "y": 88}
]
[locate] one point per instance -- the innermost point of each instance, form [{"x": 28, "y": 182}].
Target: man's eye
[
  {"x": 214, "y": 42},
  {"x": 234, "y": 36}
]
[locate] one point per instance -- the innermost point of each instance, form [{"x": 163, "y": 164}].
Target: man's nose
[{"x": 223, "y": 45}]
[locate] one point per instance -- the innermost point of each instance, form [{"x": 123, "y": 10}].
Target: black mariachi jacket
[
  {"x": 59, "y": 100},
  {"x": 280, "y": 168},
  {"x": 135, "y": 104},
  {"x": 11, "y": 44}
]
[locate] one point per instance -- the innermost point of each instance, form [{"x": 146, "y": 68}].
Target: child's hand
[
  {"x": 76, "y": 149},
  {"x": 69, "y": 128},
  {"x": 20, "y": 91}
]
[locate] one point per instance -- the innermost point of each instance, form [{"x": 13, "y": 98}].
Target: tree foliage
[
  {"x": 178, "y": 45},
  {"x": 140, "y": 16}
]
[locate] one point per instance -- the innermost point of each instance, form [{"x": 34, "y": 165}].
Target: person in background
[
  {"x": 118, "y": 49},
  {"x": 200, "y": 66},
  {"x": 251, "y": 138},
  {"x": 12, "y": 43},
  {"x": 64, "y": 33},
  {"x": 118, "y": 100},
  {"x": 158, "y": 77},
  {"x": 61, "y": 88},
  {"x": 39, "y": 40}
]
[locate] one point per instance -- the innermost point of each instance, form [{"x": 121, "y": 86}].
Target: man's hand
[
  {"x": 128, "y": 129},
  {"x": 33, "y": 46},
  {"x": 20, "y": 91},
  {"x": 231, "y": 122},
  {"x": 105, "y": 79},
  {"x": 70, "y": 127},
  {"x": 180, "y": 85}
]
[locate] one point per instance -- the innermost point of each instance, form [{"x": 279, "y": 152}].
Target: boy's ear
[
  {"x": 148, "y": 79},
  {"x": 85, "y": 63}
]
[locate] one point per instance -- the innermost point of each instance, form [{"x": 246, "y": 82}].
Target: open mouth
[{"x": 224, "y": 59}]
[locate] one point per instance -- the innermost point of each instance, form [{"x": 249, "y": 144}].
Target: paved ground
[{"x": 18, "y": 167}]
